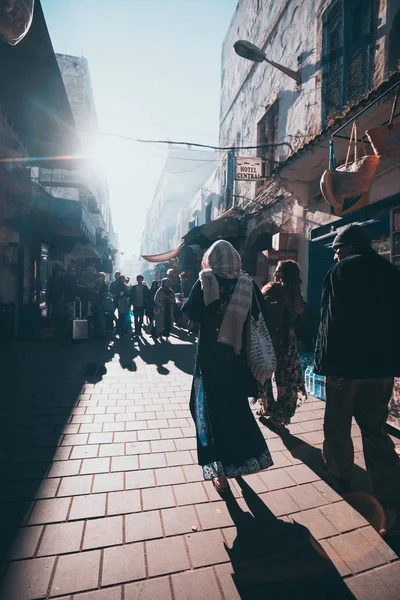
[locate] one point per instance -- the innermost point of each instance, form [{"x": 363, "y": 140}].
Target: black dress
[{"x": 229, "y": 440}]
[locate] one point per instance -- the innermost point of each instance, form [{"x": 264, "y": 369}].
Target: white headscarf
[{"x": 222, "y": 259}]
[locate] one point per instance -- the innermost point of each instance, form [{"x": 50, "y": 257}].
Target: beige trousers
[{"x": 367, "y": 401}]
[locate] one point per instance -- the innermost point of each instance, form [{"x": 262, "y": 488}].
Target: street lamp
[{"x": 251, "y": 52}]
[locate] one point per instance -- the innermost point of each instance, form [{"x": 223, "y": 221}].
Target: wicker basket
[
  {"x": 385, "y": 140},
  {"x": 351, "y": 179}
]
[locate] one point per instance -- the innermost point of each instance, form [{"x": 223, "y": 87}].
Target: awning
[
  {"x": 164, "y": 256},
  {"x": 33, "y": 96},
  {"x": 225, "y": 227},
  {"x": 81, "y": 251},
  {"x": 60, "y": 217},
  {"x": 372, "y": 215}
]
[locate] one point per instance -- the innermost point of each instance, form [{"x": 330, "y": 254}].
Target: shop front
[
  {"x": 36, "y": 123},
  {"x": 375, "y": 218},
  {"x": 40, "y": 277},
  {"x": 53, "y": 234}
]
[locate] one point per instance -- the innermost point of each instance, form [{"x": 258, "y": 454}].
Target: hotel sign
[
  {"x": 60, "y": 177},
  {"x": 249, "y": 168}
]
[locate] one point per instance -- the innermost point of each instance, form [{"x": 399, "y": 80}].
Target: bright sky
[{"x": 155, "y": 70}]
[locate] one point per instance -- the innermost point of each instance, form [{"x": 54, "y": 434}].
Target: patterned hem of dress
[{"x": 252, "y": 465}]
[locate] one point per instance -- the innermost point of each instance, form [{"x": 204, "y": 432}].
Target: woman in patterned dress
[
  {"x": 229, "y": 441},
  {"x": 284, "y": 304}
]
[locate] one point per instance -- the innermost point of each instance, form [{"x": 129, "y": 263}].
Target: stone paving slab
[{"x": 102, "y": 498}]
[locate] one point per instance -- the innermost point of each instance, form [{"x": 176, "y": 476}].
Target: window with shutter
[
  {"x": 348, "y": 43},
  {"x": 359, "y": 49},
  {"x": 268, "y": 133},
  {"x": 333, "y": 59},
  {"x": 394, "y": 44}
]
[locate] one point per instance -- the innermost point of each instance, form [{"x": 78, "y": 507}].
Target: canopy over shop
[
  {"x": 34, "y": 99},
  {"x": 186, "y": 258}
]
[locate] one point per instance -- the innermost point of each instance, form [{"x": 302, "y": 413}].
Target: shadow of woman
[
  {"x": 182, "y": 355},
  {"x": 277, "y": 559},
  {"x": 127, "y": 353}
]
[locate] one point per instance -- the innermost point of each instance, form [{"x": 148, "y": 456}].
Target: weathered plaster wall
[
  {"x": 76, "y": 78},
  {"x": 282, "y": 29},
  {"x": 389, "y": 10},
  {"x": 290, "y": 32}
]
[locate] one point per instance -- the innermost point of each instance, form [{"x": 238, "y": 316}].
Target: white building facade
[
  {"x": 345, "y": 53},
  {"x": 87, "y": 183},
  {"x": 184, "y": 173}
]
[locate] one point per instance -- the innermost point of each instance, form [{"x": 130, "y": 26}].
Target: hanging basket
[
  {"x": 351, "y": 179},
  {"x": 348, "y": 205},
  {"x": 385, "y": 140}
]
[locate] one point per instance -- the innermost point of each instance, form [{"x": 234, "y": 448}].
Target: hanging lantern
[{"x": 15, "y": 20}]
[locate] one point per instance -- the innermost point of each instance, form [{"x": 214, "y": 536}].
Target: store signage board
[
  {"x": 60, "y": 177},
  {"x": 249, "y": 168}
]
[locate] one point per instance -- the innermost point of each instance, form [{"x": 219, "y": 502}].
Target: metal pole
[
  {"x": 289, "y": 72},
  {"x": 365, "y": 109}
]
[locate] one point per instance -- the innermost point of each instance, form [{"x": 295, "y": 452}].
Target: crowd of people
[
  {"x": 70, "y": 293},
  {"x": 156, "y": 303},
  {"x": 77, "y": 295}
]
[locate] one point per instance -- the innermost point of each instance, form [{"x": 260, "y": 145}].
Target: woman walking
[
  {"x": 229, "y": 441},
  {"x": 164, "y": 301},
  {"x": 150, "y": 304},
  {"x": 284, "y": 304}
]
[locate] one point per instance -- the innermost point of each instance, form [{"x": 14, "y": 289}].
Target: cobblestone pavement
[{"x": 102, "y": 498}]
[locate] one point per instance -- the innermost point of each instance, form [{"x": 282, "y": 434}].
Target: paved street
[{"x": 103, "y": 500}]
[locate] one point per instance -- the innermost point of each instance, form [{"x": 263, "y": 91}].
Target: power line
[
  {"x": 188, "y": 170},
  {"x": 194, "y": 144}
]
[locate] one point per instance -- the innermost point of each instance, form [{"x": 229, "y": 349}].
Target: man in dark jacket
[
  {"x": 114, "y": 284},
  {"x": 139, "y": 299},
  {"x": 358, "y": 349}
]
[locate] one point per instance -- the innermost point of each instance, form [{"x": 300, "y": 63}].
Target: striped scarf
[{"x": 222, "y": 259}]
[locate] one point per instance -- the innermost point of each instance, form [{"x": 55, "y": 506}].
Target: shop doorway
[{"x": 40, "y": 278}]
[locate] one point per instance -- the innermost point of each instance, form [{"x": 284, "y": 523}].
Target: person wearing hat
[
  {"x": 139, "y": 298},
  {"x": 358, "y": 350}
]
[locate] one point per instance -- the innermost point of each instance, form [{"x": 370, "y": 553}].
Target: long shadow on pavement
[
  {"x": 360, "y": 496},
  {"x": 40, "y": 385},
  {"x": 160, "y": 354},
  {"x": 275, "y": 559}
]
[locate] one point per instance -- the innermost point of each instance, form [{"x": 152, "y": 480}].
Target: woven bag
[
  {"x": 385, "y": 140},
  {"x": 259, "y": 349},
  {"x": 351, "y": 179}
]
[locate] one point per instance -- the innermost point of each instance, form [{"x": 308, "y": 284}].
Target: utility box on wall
[{"x": 284, "y": 241}]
